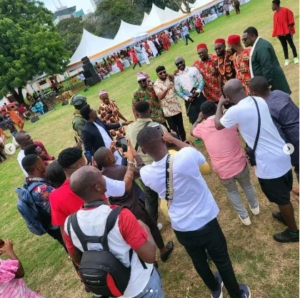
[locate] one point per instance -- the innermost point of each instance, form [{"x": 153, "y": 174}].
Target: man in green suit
[{"x": 264, "y": 61}]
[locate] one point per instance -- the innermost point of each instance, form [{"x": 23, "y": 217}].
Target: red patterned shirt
[
  {"x": 210, "y": 76},
  {"x": 225, "y": 67},
  {"x": 242, "y": 68}
]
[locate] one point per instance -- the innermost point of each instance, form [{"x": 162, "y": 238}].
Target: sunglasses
[
  {"x": 143, "y": 81},
  {"x": 179, "y": 63},
  {"x": 162, "y": 73}
]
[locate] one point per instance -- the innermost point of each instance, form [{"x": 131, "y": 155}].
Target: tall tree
[
  {"x": 111, "y": 12},
  {"x": 70, "y": 31},
  {"x": 29, "y": 45}
]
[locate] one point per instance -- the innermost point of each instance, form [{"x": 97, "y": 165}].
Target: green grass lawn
[{"x": 269, "y": 268}]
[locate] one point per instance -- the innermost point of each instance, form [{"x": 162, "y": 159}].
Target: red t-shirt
[
  {"x": 283, "y": 22},
  {"x": 64, "y": 202}
]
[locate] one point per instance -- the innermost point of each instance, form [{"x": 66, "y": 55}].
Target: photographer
[{"x": 273, "y": 165}]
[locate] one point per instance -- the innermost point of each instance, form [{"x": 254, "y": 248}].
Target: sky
[{"x": 80, "y": 4}]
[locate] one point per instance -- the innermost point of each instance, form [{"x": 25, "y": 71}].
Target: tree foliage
[
  {"x": 30, "y": 45},
  {"x": 111, "y": 12},
  {"x": 70, "y": 31}
]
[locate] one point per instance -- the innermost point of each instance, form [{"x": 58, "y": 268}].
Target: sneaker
[
  {"x": 160, "y": 226},
  {"x": 246, "y": 221},
  {"x": 286, "y": 237},
  {"x": 255, "y": 211},
  {"x": 287, "y": 62},
  {"x": 218, "y": 293},
  {"x": 277, "y": 215},
  {"x": 245, "y": 291},
  {"x": 296, "y": 60}
]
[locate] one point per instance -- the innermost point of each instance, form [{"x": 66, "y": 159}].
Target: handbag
[
  {"x": 169, "y": 179},
  {"x": 250, "y": 152}
]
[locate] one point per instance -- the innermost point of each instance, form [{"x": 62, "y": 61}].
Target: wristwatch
[{"x": 130, "y": 163}]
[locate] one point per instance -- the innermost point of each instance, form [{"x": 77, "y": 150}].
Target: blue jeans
[{"x": 153, "y": 288}]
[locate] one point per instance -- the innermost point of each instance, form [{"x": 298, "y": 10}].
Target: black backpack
[{"x": 95, "y": 266}]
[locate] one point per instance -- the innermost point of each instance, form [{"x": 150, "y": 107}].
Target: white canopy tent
[
  {"x": 89, "y": 45},
  {"x": 158, "y": 19}
]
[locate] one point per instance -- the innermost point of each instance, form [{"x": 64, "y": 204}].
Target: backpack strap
[
  {"x": 84, "y": 239},
  {"x": 110, "y": 223},
  {"x": 33, "y": 185}
]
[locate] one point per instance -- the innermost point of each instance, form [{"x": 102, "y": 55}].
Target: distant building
[
  {"x": 95, "y": 3},
  {"x": 64, "y": 12}
]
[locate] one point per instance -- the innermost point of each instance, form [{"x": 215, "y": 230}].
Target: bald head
[
  {"x": 104, "y": 157},
  {"x": 88, "y": 183},
  {"x": 23, "y": 139},
  {"x": 180, "y": 63},
  {"x": 234, "y": 90}
]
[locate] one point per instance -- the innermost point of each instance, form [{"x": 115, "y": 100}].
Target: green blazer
[{"x": 265, "y": 63}]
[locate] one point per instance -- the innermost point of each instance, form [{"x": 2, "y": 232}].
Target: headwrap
[{"x": 102, "y": 92}]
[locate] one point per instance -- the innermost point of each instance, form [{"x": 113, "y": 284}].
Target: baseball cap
[{"x": 78, "y": 100}]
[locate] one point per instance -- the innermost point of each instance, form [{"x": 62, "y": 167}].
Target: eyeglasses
[
  {"x": 162, "y": 73},
  {"x": 143, "y": 81}
]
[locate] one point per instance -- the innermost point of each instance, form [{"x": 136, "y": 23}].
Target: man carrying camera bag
[{"x": 265, "y": 150}]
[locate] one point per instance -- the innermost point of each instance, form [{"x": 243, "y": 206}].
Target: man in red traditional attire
[
  {"x": 241, "y": 60},
  {"x": 166, "y": 41},
  {"x": 134, "y": 58},
  {"x": 198, "y": 25},
  {"x": 224, "y": 62},
  {"x": 209, "y": 73},
  {"x": 284, "y": 29}
]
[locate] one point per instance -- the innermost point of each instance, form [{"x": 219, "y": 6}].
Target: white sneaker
[
  {"x": 160, "y": 226},
  {"x": 246, "y": 221},
  {"x": 255, "y": 211},
  {"x": 286, "y": 62},
  {"x": 296, "y": 60}
]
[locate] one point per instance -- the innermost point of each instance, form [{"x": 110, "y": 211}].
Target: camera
[{"x": 122, "y": 143}]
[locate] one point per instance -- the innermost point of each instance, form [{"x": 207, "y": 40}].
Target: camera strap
[
  {"x": 258, "y": 127},
  {"x": 169, "y": 179}
]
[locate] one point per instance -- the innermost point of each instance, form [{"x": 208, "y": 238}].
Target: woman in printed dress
[
  {"x": 11, "y": 273},
  {"x": 109, "y": 113}
]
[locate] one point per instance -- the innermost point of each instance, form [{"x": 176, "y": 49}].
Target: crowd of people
[{"x": 100, "y": 198}]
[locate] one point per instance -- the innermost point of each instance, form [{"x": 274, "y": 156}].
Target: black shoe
[
  {"x": 170, "y": 246},
  {"x": 277, "y": 215},
  {"x": 286, "y": 237}
]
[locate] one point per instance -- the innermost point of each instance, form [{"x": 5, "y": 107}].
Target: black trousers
[
  {"x": 210, "y": 238},
  {"x": 2, "y": 156},
  {"x": 193, "y": 108},
  {"x": 56, "y": 234},
  {"x": 136, "y": 64},
  {"x": 287, "y": 39},
  {"x": 197, "y": 30},
  {"x": 187, "y": 38},
  {"x": 145, "y": 217},
  {"x": 176, "y": 124},
  {"x": 151, "y": 202}
]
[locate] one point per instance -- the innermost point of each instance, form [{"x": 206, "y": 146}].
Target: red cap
[
  {"x": 201, "y": 46},
  {"x": 234, "y": 39},
  {"x": 220, "y": 40}
]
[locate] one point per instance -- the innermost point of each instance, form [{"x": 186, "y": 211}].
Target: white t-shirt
[
  {"x": 107, "y": 141},
  {"x": 271, "y": 160},
  {"x": 193, "y": 205},
  {"x": 21, "y": 155},
  {"x": 114, "y": 188}
]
